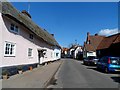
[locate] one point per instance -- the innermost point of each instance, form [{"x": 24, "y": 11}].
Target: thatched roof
[{"x": 11, "y": 12}]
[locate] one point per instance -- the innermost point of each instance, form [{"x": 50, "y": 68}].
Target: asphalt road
[{"x": 73, "y": 74}]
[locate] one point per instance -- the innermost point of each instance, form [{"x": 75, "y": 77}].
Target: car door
[
  {"x": 104, "y": 62},
  {"x": 100, "y": 62}
]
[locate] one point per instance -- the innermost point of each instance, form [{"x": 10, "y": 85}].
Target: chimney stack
[
  {"x": 88, "y": 34},
  {"x": 26, "y": 13},
  {"x": 96, "y": 34}
]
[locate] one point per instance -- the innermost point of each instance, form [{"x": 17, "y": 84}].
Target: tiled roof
[
  {"x": 94, "y": 42},
  {"x": 88, "y": 47},
  {"x": 117, "y": 40},
  {"x": 10, "y": 11},
  {"x": 108, "y": 41},
  {"x": 65, "y": 49}
]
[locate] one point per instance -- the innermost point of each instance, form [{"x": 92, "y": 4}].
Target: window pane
[
  {"x": 16, "y": 29},
  {"x": 9, "y": 49},
  {"x": 12, "y": 27},
  {"x": 31, "y": 36},
  {"x": 29, "y": 52}
]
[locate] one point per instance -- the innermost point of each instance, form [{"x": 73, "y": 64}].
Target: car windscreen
[{"x": 115, "y": 61}]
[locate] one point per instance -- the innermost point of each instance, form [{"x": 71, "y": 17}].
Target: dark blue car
[{"x": 109, "y": 64}]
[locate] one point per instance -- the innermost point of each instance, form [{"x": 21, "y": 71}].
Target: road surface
[{"x": 73, "y": 74}]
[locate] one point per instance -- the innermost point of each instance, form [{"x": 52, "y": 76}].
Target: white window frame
[
  {"x": 8, "y": 49},
  {"x": 30, "y": 52},
  {"x": 14, "y": 28}
]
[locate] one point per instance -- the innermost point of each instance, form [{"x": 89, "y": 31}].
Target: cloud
[{"x": 108, "y": 32}]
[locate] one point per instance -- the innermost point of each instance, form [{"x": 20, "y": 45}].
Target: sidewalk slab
[{"x": 37, "y": 78}]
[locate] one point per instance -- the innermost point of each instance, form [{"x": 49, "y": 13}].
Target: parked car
[
  {"x": 90, "y": 60},
  {"x": 109, "y": 64}
]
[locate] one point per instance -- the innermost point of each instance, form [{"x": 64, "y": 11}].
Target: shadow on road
[
  {"x": 116, "y": 79},
  {"x": 95, "y": 68}
]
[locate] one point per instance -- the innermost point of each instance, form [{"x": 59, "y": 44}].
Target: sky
[{"x": 70, "y": 21}]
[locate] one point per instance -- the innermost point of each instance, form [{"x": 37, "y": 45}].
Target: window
[
  {"x": 31, "y": 36},
  {"x": 14, "y": 28},
  {"x": 29, "y": 52},
  {"x": 57, "y": 54},
  {"x": 9, "y": 49}
]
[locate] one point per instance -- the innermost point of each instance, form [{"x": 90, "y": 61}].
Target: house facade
[
  {"x": 64, "y": 52},
  {"x": 109, "y": 46},
  {"x": 78, "y": 53},
  {"x": 22, "y": 42},
  {"x": 91, "y": 44}
]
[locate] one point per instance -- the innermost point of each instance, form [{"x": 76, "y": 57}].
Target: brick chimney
[
  {"x": 96, "y": 34},
  {"x": 88, "y": 38},
  {"x": 26, "y": 13}
]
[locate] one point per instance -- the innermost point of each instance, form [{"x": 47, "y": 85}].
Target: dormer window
[
  {"x": 14, "y": 28},
  {"x": 31, "y": 36}
]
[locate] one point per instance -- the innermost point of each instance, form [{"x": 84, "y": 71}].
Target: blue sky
[{"x": 71, "y": 21}]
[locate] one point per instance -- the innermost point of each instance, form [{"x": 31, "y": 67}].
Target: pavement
[
  {"x": 73, "y": 74},
  {"x": 37, "y": 78}
]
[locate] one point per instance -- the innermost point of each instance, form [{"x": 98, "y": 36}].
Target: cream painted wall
[
  {"x": 1, "y": 46},
  {"x": 23, "y": 42}
]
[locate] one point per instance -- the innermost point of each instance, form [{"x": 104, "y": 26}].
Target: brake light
[{"x": 108, "y": 60}]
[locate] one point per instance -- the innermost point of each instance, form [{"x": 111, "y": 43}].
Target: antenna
[{"x": 28, "y": 6}]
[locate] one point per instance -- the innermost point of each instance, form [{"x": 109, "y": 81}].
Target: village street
[
  {"x": 65, "y": 73},
  {"x": 73, "y": 74}
]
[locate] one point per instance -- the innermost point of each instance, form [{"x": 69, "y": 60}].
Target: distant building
[
  {"x": 64, "y": 52},
  {"x": 72, "y": 50},
  {"x": 109, "y": 46},
  {"x": 76, "y": 52},
  {"x": 23, "y": 42},
  {"x": 91, "y": 44}
]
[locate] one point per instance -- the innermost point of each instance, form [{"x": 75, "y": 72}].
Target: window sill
[
  {"x": 30, "y": 57},
  {"x": 8, "y": 56}
]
